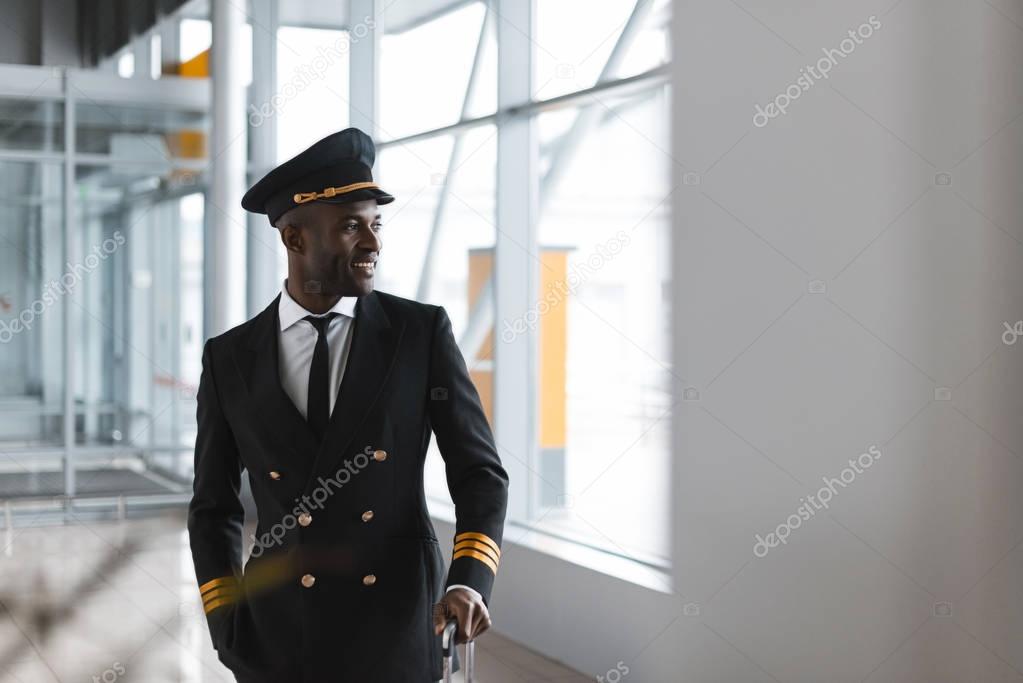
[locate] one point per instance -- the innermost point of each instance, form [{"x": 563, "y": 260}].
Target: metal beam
[
  {"x": 515, "y": 261},
  {"x": 170, "y": 43},
  {"x": 622, "y": 87},
  {"x": 69, "y": 256},
  {"x": 142, "y": 50},
  {"x": 480, "y": 322}
]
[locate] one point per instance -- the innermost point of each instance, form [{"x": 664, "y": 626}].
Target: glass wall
[
  {"x": 31, "y": 305},
  {"x": 97, "y": 270},
  {"x": 604, "y": 415},
  {"x": 31, "y": 124},
  {"x": 440, "y": 232},
  {"x": 425, "y": 72},
  {"x": 572, "y": 54},
  {"x": 601, "y": 390},
  {"x": 139, "y": 356}
]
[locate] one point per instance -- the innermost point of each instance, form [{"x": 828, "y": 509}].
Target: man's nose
[{"x": 370, "y": 240}]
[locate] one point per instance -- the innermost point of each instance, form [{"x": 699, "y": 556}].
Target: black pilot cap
[{"x": 335, "y": 170}]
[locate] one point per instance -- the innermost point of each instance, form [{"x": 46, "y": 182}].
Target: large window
[
  {"x": 439, "y": 233},
  {"x": 603, "y": 393},
  {"x": 572, "y": 54},
  {"x": 600, "y": 471},
  {"x": 426, "y": 70}
]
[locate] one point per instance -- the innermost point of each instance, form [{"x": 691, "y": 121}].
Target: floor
[{"x": 117, "y": 601}]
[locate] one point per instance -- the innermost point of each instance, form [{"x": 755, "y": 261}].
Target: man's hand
[{"x": 469, "y": 610}]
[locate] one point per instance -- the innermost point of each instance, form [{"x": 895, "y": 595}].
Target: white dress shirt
[{"x": 296, "y": 343}]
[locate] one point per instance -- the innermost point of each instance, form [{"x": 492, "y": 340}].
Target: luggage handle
[{"x": 448, "y": 647}]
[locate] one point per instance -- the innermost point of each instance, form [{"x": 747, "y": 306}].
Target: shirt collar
[{"x": 290, "y": 312}]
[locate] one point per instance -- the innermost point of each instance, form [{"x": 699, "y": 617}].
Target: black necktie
[{"x": 318, "y": 406}]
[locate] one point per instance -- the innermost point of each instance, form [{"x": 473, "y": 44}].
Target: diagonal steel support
[
  {"x": 432, "y": 240},
  {"x": 591, "y": 114}
]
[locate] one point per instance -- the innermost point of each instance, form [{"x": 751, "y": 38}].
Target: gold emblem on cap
[{"x": 328, "y": 192}]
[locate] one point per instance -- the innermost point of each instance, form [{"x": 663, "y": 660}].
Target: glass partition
[
  {"x": 109, "y": 270},
  {"x": 34, "y": 283},
  {"x": 604, "y": 409},
  {"x": 31, "y": 124}
]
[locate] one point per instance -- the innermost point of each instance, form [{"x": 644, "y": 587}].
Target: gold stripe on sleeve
[
  {"x": 472, "y": 535},
  {"x": 222, "y": 592},
  {"x": 477, "y": 545},
  {"x": 222, "y": 581},
  {"x": 485, "y": 559}
]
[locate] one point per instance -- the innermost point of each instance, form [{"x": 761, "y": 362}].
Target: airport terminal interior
[{"x": 738, "y": 285}]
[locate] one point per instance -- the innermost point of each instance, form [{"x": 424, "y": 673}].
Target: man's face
[{"x": 340, "y": 244}]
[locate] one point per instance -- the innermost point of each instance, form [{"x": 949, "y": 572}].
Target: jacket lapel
[
  {"x": 375, "y": 340},
  {"x": 257, "y": 360}
]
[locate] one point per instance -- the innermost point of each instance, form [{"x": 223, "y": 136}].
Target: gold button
[
  {"x": 305, "y": 519},
  {"x": 367, "y": 515},
  {"x": 369, "y": 580},
  {"x": 308, "y": 580},
  {"x": 275, "y": 475},
  {"x": 380, "y": 456}
]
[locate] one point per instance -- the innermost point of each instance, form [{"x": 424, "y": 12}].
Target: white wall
[{"x": 914, "y": 573}]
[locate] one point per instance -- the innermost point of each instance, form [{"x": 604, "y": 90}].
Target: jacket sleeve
[
  {"x": 215, "y": 513},
  {"x": 476, "y": 480}
]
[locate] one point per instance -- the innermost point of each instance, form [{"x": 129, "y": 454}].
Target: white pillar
[
  {"x": 142, "y": 49},
  {"x": 71, "y": 254},
  {"x": 227, "y": 155},
  {"x": 263, "y": 240},
  {"x": 170, "y": 43},
  {"x": 366, "y": 27},
  {"x": 514, "y": 398}
]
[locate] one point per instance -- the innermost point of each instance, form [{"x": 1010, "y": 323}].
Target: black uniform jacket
[{"x": 344, "y": 565}]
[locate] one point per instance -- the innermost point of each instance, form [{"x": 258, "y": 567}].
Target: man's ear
[{"x": 291, "y": 237}]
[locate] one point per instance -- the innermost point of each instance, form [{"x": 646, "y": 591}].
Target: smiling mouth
[{"x": 364, "y": 266}]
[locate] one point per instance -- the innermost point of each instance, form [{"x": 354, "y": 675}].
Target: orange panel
[
  {"x": 196, "y": 67},
  {"x": 190, "y": 144},
  {"x": 553, "y": 335},
  {"x": 481, "y": 263},
  {"x": 553, "y": 340}
]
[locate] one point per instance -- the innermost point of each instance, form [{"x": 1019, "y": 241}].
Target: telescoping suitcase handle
[{"x": 448, "y": 648}]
